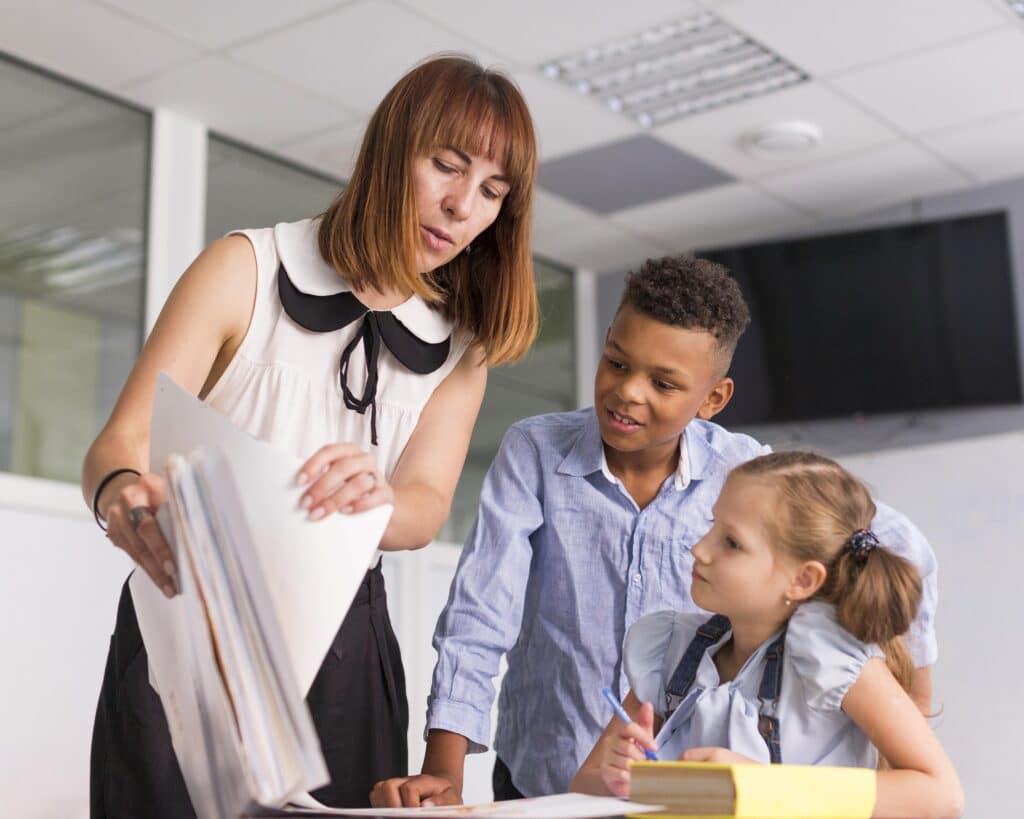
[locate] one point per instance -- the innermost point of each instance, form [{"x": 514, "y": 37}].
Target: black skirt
[{"x": 357, "y": 700}]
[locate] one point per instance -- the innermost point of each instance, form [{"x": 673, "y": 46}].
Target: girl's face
[
  {"x": 736, "y": 571},
  {"x": 458, "y": 196}
]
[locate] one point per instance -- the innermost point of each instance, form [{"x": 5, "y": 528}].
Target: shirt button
[{"x": 636, "y": 578}]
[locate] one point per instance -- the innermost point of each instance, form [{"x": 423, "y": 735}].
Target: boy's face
[{"x": 653, "y": 379}]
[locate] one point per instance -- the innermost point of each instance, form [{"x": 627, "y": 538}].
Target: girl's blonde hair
[
  {"x": 876, "y": 593},
  {"x": 370, "y": 232}
]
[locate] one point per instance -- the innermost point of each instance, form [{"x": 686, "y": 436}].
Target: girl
[
  {"x": 802, "y": 662},
  {"x": 357, "y": 340}
]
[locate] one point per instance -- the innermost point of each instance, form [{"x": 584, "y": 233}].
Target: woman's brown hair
[
  {"x": 875, "y": 591},
  {"x": 370, "y": 232}
]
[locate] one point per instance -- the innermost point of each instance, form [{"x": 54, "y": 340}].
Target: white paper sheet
[
  {"x": 560, "y": 806},
  {"x": 312, "y": 570}
]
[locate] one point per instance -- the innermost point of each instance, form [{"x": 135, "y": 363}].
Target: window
[
  {"x": 542, "y": 382},
  {"x": 73, "y": 186},
  {"x": 246, "y": 189}
]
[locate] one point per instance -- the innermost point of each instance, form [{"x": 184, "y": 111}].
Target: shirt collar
[
  {"x": 587, "y": 456},
  {"x": 299, "y": 251}
]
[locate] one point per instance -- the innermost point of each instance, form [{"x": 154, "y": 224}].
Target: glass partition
[{"x": 73, "y": 189}]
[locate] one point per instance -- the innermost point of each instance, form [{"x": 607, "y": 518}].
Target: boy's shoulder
[
  {"x": 554, "y": 429},
  {"x": 721, "y": 446}
]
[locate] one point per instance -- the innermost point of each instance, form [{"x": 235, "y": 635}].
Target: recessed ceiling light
[
  {"x": 679, "y": 68},
  {"x": 782, "y": 138}
]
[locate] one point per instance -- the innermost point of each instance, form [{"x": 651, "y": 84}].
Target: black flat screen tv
[{"x": 906, "y": 318}]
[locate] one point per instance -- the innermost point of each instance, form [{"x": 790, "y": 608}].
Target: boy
[{"x": 585, "y": 523}]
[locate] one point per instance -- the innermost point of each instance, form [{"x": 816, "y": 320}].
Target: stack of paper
[{"x": 263, "y": 592}]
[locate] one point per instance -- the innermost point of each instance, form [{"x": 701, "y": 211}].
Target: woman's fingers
[
  {"x": 132, "y": 527},
  {"x": 351, "y": 483},
  {"x": 121, "y": 533},
  {"x": 378, "y": 496},
  {"x": 322, "y": 459},
  {"x": 341, "y": 487}
]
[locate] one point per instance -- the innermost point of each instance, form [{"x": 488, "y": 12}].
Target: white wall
[
  {"x": 968, "y": 499},
  {"x": 58, "y": 597}
]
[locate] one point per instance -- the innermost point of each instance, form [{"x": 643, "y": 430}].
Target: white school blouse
[
  {"x": 820, "y": 662},
  {"x": 283, "y": 385}
]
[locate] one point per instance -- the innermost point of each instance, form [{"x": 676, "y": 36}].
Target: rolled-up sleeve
[
  {"x": 482, "y": 618},
  {"x": 896, "y": 532}
]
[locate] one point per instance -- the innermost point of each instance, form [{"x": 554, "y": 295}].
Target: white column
[
  {"x": 177, "y": 204},
  {"x": 585, "y": 334}
]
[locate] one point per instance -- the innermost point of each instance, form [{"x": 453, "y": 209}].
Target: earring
[
  {"x": 788, "y": 602},
  {"x": 469, "y": 249}
]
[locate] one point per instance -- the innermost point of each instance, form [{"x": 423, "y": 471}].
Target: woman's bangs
[{"x": 489, "y": 125}]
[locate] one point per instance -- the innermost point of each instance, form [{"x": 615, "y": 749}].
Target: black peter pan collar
[{"x": 325, "y": 314}]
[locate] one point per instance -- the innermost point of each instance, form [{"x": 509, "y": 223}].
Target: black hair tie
[{"x": 861, "y": 544}]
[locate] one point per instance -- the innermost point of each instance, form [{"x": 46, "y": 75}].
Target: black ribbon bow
[{"x": 325, "y": 314}]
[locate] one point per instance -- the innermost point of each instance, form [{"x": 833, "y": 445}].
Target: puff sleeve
[
  {"x": 653, "y": 648},
  {"x": 825, "y": 657}
]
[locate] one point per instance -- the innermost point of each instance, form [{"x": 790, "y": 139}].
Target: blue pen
[{"x": 620, "y": 712}]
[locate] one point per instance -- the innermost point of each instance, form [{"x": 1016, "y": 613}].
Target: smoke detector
[{"x": 783, "y": 139}]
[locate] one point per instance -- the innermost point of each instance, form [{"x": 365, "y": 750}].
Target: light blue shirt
[
  {"x": 819, "y": 664},
  {"x": 559, "y": 564}
]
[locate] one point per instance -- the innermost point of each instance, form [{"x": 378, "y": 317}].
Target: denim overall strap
[
  {"x": 707, "y": 635},
  {"x": 768, "y": 695}
]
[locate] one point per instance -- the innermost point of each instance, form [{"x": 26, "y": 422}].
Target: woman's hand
[
  {"x": 342, "y": 478},
  {"x": 624, "y": 746},
  {"x": 722, "y": 755},
  {"x": 131, "y": 526}
]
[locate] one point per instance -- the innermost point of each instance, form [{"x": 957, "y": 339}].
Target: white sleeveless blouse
[{"x": 283, "y": 385}]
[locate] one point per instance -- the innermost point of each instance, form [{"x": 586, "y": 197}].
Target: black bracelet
[{"x": 96, "y": 497}]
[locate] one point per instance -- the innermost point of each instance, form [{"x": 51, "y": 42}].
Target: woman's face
[{"x": 458, "y": 196}]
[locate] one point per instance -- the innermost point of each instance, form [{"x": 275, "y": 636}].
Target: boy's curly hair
[{"x": 692, "y": 293}]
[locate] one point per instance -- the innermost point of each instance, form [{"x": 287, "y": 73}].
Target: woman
[{"x": 358, "y": 341}]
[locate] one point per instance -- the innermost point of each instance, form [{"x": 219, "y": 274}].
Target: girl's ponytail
[
  {"x": 823, "y": 510},
  {"x": 876, "y": 594}
]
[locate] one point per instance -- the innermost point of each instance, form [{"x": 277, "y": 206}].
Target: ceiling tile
[
  {"x": 870, "y": 179},
  {"x": 87, "y": 42},
  {"x": 353, "y": 55},
  {"x": 214, "y": 25},
  {"x": 627, "y": 173},
  {"x": 551, "y": 211},
  {"x": 716, "y": 136},
  {"x": 565, "y": 120},
  {"x": 595, "y": 244},
  {"x": 236, "y": 101},
  {"x": 946, "y": 86},
  {"x": 530, "y": 32},
  {"x": 831, "y": 36},
  {"x": 728, "y": 215},
  {"x": 332, "y": 150},
  {"x": 989, "y": 150}
]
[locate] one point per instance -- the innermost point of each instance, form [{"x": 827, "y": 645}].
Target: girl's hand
[
  {"x": 722, "y": 755},
  {"x": 342, "y": 478},
  {"x": 624, "y": 746},
  {"x": 132, "y": 527}
]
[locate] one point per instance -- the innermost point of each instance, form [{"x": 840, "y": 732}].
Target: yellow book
[{"x": 708, "y": 789}]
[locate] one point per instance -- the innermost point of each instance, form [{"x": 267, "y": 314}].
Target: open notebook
[{"x": 263, "y": 593}]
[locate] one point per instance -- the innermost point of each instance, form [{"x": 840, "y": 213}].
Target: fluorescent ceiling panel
[{"x": 676, "y": 69}]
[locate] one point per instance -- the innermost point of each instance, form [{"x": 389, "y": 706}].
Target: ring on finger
[
  {"x": 136, "y": 515},
  {"x": 373, "y": 479}
]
